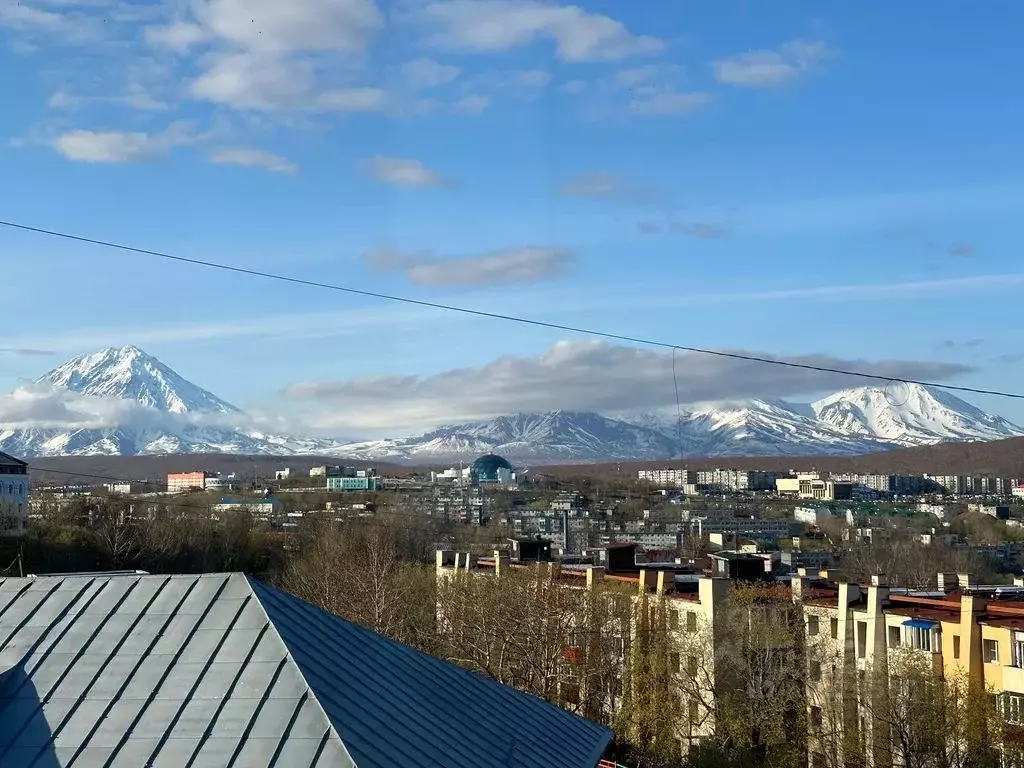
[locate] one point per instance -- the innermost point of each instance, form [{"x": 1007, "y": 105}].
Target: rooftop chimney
[
  {"x": 947, "y": 582},
  {"x": 964, "y": 579},
  {"x": 501, "y": 561}
]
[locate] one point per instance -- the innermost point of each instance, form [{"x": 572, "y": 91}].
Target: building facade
[
  {"x": 368, "y": 483},
  {"x": 14, "y": 478},
  {"x": 180, "y": 482}
]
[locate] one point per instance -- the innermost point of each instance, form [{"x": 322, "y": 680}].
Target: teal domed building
[{"x": 493, "y": 469}]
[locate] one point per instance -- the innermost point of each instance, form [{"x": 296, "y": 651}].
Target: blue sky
[{"x": 794, "y": 179}]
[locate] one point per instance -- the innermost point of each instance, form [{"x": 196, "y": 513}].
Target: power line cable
[{"x": 499, "y": 316}]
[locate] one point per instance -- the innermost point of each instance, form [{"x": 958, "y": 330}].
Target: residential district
[{"x": 739, "y": 573}]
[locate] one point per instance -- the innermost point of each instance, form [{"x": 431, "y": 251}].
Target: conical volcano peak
[{"x": 130, "y": 373}]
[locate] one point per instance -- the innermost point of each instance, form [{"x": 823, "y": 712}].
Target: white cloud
[
  {"x": 352, "y": 100},
  {"x": 472, "y": 105},
  {"x": 251, "y": 81},
  {"x": 428, "y": 73},
  {"x": 580, "y": 375},
  {"x": 121, "y": 146},
  {"x": 532, "y": 78},
  {"x": 338, "y": 324},
  {"x": 179, "y": 36},
  {"x": 18, "y": 15},
  {"x": 663, "y": 103},
  {"x": 605, "y": 185},
  {"x": 404, "y": 172},
  {"x": 769, "y": 69},
  {"x": 40, "y": 406},
  {"x": 267, "y": 55},
  {"x": 294, "y": 26},
  {"x": 252, "y": 158},
  {"x": 485, "y": 26},
  {"x": 137, "y": 98},
  {"x": 67, "y": 25},
  {"x": 255, "y": 81},
  {"x": 507, "y": 267}
]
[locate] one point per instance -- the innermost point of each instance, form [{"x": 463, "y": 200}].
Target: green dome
[{"x": 486, "y": 467}]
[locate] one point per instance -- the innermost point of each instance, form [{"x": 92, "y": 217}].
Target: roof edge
[{"x": 298, "y": 667}]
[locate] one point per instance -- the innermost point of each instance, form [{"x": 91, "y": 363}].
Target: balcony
[{"x": 1013, "y": 679}]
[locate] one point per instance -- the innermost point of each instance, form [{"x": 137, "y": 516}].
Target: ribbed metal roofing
[{"x": 220, "y": 670}]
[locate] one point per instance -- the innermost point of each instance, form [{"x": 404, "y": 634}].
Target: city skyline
[{"x": 801, "y": 183}]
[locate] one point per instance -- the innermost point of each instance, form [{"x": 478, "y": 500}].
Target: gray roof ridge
[{"x": 298, "y": 667}]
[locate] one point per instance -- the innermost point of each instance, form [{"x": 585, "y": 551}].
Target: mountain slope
[
  {"x": 161, "y": 413},
  {"x": 550, "y": 436},
  {"x": 765, "y": 428},
  {"x": 130, "y": 374},
  {"x": 910, "y": 414}
]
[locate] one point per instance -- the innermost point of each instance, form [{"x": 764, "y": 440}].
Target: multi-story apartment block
[
  {"x": 13, "y": 494},
  {"x": 669, "y": 478},
  {"x": 860, "y": 645},
  {"x": 737, "y": 480},
  {"x": 180, "y": 482}
]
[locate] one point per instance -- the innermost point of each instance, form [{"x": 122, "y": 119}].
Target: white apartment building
[
  {"x": 675, "y": 478},
  {"x": 13, "y": 494}
]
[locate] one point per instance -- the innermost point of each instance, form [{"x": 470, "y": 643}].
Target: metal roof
[
  {"x": 221, "y": 670},
  {"x": 10, "y": 461}
]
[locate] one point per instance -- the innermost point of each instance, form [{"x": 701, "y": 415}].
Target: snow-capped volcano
[
  {"x": 764, "y": 428},
  {"x": 910, "y": 414},
  {"x": 126, "y": 402},
  {"x": 129, "y": 373}
]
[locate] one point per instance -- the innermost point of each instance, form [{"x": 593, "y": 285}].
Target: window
[
  {"x": 862, "y": 639},
  {"x": 812, "y": 625},
  {"x": 815, "y": 673},
  {"x": 815, "y": 718},
  {"x": 691, "y": 621},
  {"x": 956, "y": 646},
  {"x": 990, "y": 650},
  {"x": 894, "y": 637},
  {"x": 1013, "y": 708},
  {"x": 835, "y": 628},
  {"x": 1018, "y": 649},
  {"x": 691, "y": 666},
  {"x": 673, "y": 662},
  {"x": 923, "y": 638},
  {"x": 673, "y": 619}
]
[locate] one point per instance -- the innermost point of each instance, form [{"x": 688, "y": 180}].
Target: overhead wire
[{"x": 504, "y": 317}]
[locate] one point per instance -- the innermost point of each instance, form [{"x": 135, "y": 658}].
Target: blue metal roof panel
[
  {"x": 131, "y": 670},
  {"x": 393, "y": 705},
  {"x": 920, "y": 623},
  {"x": 149, "y": 670}
]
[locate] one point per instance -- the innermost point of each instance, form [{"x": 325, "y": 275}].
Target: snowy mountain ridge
[{"x": 156, "y": 411}]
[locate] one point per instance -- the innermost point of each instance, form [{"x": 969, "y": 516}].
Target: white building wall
[{"x": 13, "y": 502}]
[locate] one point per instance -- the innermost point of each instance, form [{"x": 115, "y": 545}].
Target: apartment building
[
  {"x": 180, "y": 482},
  {"x": 692, "y": 606},
  {"x": 668, "y": 478},
  {"x": 13, "y": 494},
  {"x": 737, "y": 480},
  {"x": 860, "y": 643}
]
